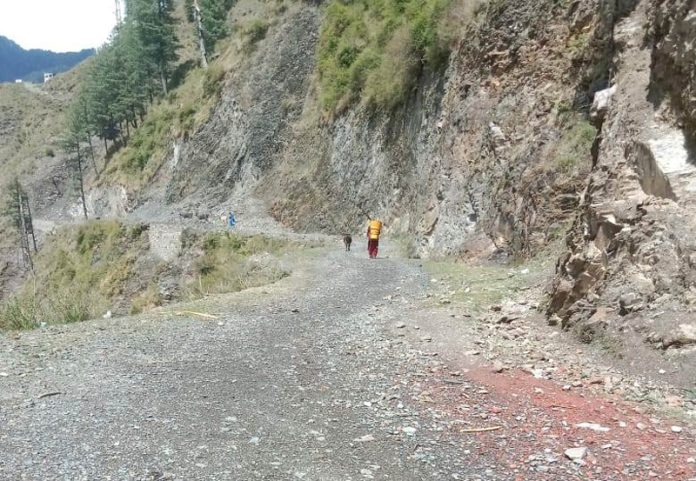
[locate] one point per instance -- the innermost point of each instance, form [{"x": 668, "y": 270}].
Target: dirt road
[{"x": 308, "y": 379}]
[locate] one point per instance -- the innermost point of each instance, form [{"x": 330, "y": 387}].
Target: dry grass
[{"x": 83, "y": 271}]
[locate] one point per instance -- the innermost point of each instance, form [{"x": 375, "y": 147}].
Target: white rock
[
  {"x": 576, "y": 454},
  {"x": 3, "y": 374},
  {"x": 108, "y": 315},
  {"x": 365, "y": 439},
  {"x": 410, "y": 431},
  {"x": 592, "y": 426},
  {"x": 676, "y": 429},
  {"x": 601, "y": 100}
]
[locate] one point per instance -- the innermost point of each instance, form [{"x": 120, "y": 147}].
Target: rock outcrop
[
  {"x": 490, "y": 154},
  {"x": 631, "y": 253}
]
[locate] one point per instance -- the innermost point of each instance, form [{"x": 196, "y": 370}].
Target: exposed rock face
[
  {"x": 487, "y": 155},
  {"x": 632, "y": 251},
  {"x": 473, "y": 161},
  {"x": 250, "y": 125}
]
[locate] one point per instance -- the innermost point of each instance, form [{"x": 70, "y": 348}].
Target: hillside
[{"x": 30, "y": 65}]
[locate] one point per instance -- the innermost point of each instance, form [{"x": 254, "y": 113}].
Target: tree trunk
[
  {"x": 30, "y": 225},
  {"x": 22, "y": 225},
  {"x": 91, "y": 152},
  {"x": 163, "y": 78},
  {"x": 201, "y": 39},
  {"x": 81, "y": 180}
]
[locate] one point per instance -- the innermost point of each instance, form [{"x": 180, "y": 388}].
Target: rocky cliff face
[
  {"x": 550, "y": 117},
  {"x": 490, "y": 153},
  {"x": 631, "y": 257}
]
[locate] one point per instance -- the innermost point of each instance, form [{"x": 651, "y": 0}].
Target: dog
[{"x": 347, "y": 241}]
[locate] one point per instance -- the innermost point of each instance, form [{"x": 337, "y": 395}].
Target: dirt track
[{"x": 310, "y": 379}]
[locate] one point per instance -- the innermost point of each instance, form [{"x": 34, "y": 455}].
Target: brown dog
[{"x": 347, "y": 241}]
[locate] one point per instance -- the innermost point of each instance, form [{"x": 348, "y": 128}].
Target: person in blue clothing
[{"x": 231, "y": 221}]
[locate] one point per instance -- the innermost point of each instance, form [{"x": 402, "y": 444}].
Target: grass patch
[
  {"x": 479, "y": 286},
  {"x": 255, "y": 31},
  {"x": 80, "y": 273},
  {"x": 148, "y": 299},
  {"x": 573, "y": 151},
  {"x": 230, "y": 263},
  {"x": 83, "y": 271},
  {"x": 373, "y": 49}
]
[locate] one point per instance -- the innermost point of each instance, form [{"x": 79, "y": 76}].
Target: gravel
[{"x": 265, "y": 393}]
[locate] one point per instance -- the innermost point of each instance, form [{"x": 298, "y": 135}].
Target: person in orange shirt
[{"x": 374, "y": 229}]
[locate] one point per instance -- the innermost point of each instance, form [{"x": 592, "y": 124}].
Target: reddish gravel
[{"x": 539, "y": 422}]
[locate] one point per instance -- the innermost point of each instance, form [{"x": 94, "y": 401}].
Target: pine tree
[
  {"x": 17, "y": 208},
  {"x": 214, "y": 20},
  {"x": 72, "y": 146},
  {"x": 154, "y": 24}
]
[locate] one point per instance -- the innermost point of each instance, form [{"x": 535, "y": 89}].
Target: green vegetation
[
  {"x": 479, "y": 286},
  {"x": 574, "y": 149},
  {"x": 79, "y": 274},
  {"x": 372, "y": 50},
  {"x": 131, "y": 76},
  {"x": 174, "y": 116},
  {"x": 213, "y": 15},
  {"x": 224, "y": 265},
  {"x": 255, "y": 31},
  {"x": 83, "y": 271}
]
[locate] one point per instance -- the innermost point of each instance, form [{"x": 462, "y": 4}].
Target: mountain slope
[{"x": 29, "y": 65}]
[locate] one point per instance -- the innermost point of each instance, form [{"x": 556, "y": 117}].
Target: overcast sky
[{"x": 58, "y": 25}]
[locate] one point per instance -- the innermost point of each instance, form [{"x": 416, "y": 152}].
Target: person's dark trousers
[{"x": 372, "y": 247}]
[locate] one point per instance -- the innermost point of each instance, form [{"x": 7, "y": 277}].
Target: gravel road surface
[
  {"x": 300, "y": 380},
  {"x": 342, "y": 371}
]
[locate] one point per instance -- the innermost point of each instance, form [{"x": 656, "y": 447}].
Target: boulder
[{"x": 600, "y": 104}]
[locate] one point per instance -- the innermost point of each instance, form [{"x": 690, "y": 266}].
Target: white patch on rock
[
  {"x": 576, "y": 454},
  {"x": 593, "y": 427},
  {"x": 601, "y": 101}
]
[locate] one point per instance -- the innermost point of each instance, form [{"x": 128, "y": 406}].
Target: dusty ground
[{"x": 340, "y": 372}]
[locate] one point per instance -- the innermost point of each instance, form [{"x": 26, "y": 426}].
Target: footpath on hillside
[{"x": 349, "y": 369}]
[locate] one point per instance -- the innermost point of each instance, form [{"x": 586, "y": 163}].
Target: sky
[{"x": 58, "y": 25}]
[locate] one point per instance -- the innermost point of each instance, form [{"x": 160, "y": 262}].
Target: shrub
[
  {"x": 212, "y": 82},
  {"x": 256, "y": 31},
  {"x": 575, "y": 146},
  {"x": 18, "y": 314},
  {"x": 372, "y": 50}
]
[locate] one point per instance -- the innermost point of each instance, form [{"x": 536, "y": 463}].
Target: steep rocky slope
[
  {"x": 490, "y": 153},
  {"x": 631, "y": 258},
  {"x": 501, "y": 152}
]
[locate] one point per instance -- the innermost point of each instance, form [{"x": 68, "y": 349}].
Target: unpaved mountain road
[{"x": 307, "y": 379}]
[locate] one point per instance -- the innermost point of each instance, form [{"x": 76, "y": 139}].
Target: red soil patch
[{"x": 539, "y": 422}]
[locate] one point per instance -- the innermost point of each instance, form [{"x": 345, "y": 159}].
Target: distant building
[
  {"x": 18, "y": 81},
  {"x": 48, "y": 76}
]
